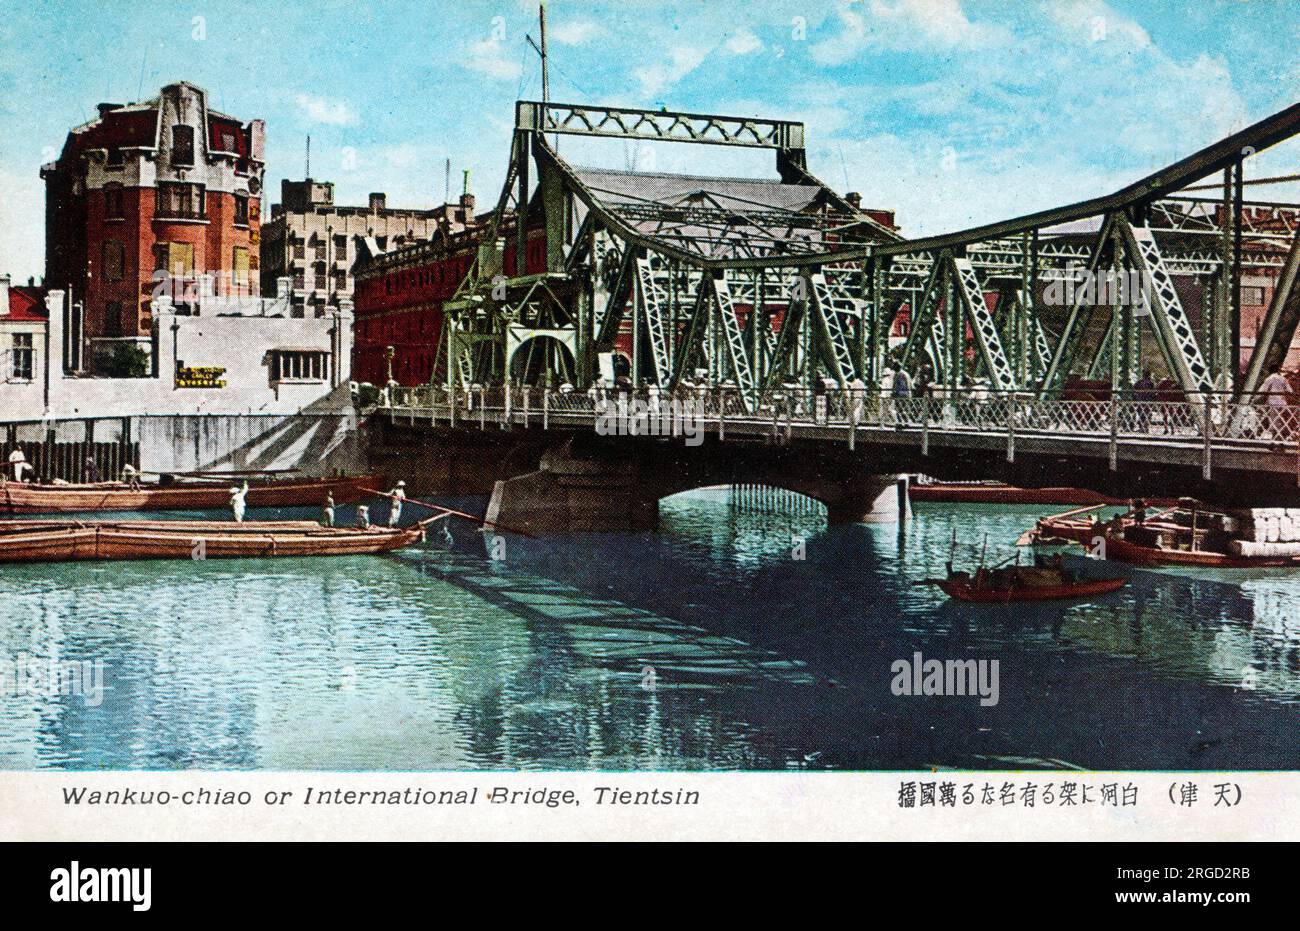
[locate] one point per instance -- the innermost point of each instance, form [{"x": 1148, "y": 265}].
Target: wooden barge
[{"x": 201, "y": 495}]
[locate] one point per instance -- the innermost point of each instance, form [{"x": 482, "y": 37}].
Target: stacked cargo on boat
[{"x": 1265, "y": 532}]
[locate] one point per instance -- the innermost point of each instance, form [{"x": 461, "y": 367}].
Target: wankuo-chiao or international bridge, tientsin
[{"x": 1119, "y": 343}]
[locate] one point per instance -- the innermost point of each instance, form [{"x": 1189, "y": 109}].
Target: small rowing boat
[
  {"x": 1046, "y": 580},
  {"x": 128, "y": 540},
  {"x": 198, "y": 495},
  {"x": 1024, "y": 583}
]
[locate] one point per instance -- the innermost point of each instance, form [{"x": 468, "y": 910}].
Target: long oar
[{"x": 449, "y": 512}]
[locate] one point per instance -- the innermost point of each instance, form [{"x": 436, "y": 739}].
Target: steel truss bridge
[{"x": 758, "y": 284}]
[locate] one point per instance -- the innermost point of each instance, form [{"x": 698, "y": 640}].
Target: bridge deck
[{"x": 1212, "y": 434}]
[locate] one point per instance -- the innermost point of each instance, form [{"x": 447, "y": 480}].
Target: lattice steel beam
[{"x": 658, "y": 125}]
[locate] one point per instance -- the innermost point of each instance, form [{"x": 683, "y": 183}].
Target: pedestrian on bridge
[
  {"x": 1144, "y": 393},
  {"x": 886, "y": 395},
  {"x": 1277, "y": 393}
]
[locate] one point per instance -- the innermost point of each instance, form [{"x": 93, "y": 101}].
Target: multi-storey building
[
  {"x": 148, "y": 196},
  {"x": 316, "y": 243},
  {"x": 400, "y": 294}
]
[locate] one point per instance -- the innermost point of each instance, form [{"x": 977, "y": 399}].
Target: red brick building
[
  {"x": 399, "y": 295},
  {"x": 168, "y": 186}
]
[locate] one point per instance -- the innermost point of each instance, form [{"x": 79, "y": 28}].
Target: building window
[
  {"x": 114, "y": 260},
  {"x": 320, "y": 250},
  {"x": 175, "y": 258},
  {"x": 299, "y": 279},
  {"x": 340, "y": 281},
  {"x": 1252, "y": 296},
  {"x": 299, "y": 251},
  {"x": 299, "y": 365},
  {"x": 181, "y": 201},
  {"x": 241, "y": 210},
  {"x": 340, "y": 247},
  {"x": 113, "y": 202},
  {"x": 239, "y": 267},
  {"x": 182, "y": 145},
  {"x": 23, "y": 365},
  {"x": 116, "y": 157}
]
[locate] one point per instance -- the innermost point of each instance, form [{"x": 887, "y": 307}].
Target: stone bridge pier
[{"x": 589, "y": 483}]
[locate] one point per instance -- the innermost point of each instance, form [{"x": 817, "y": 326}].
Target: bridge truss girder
[{"x": 757, "y": 313}]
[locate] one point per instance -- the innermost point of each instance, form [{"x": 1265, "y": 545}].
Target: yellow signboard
[{"x": 200, "y": 377}]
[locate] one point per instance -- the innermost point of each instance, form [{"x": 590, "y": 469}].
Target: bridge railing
[{"x": 1261, "y": 420}]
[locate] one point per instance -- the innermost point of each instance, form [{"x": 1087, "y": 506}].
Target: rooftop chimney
[
  {"x": 378, "y": 201},
  {"x": 105, "y": 108},
  {"x": 854, "y": 199}
]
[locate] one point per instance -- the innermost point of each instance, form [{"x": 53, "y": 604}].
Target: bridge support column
[
  {"x": 873, "y": 499},
  {"x": 571, "y": 495}
]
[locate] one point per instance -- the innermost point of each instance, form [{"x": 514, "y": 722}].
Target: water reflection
[{"x": 708, "y": 645}]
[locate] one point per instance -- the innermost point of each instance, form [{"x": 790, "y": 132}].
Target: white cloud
[
  {"x": 915, "y": 25},
  {"x": 323, "y": 110},
  {"x": 489, "y": 57},
  {"x": 573, "y": 32},
  {"x": 1094, "y": 21},
  {"x": 682, "y": 60},
  {"x": 742, "y": 42}
]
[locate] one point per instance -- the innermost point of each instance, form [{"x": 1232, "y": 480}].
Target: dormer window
[
  {"x": 116, "y": 158},
  {"x": 182, "y": 145}
]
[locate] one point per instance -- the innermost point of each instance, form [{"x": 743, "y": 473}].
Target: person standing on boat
[
  {"x": 396, "y": 496},
  {"x": 21, "y": 467},
  {"x": 92, "y": 471},
  {"x": 131, "y": 477},
  {"x": 238, "y": 502},
  {"x": 327, "y": 512},
  {"x": 363, "y": 517}
]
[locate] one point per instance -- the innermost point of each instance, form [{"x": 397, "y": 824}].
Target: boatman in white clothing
[
  {"x": 21, "y": 467},
  {"x": 396, "y": 497},
  {"x": 238, "y": 502},
  {"x": 327, "y": 512}
]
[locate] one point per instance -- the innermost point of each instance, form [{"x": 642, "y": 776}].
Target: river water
[{"x": 728, "y": 640}]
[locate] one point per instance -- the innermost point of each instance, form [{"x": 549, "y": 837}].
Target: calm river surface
[{"x": 705, "y": 646}]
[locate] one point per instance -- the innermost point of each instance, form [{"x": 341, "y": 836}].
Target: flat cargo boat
[
  {"x": 1000, "y": 493},
  {"x": 1189, "y": 534},
  {"x": 199, "y": 495},
  {"x": 126, "y": 540},
  {"x": 1138, "y": 554}
]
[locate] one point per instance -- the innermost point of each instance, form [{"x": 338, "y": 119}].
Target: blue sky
[{"x": 952, "y": 112}]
